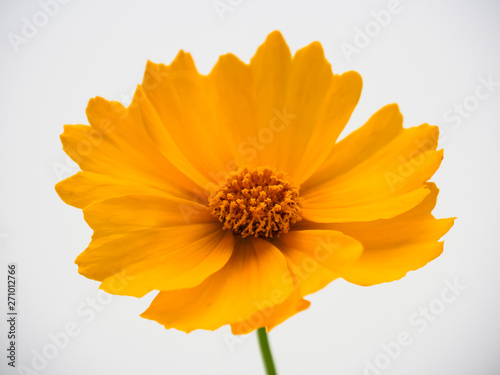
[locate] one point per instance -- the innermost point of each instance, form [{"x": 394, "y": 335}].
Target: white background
[{"x": 429, "y": 57}]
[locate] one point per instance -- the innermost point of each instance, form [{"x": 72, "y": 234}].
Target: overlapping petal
[
  {"x": 316, "y": 256},
  {"x": 115, "y": 152},
  {"x": 178, "y": 109},
  {"x": 382, "y": 176},
  {"x": 269, "y": 317},
  {"x": 392, "y": 247},
  {"x": 150, "y": 242},
  {"x": 313, "y": 257},
  {"x": 256, "y": 277},
  {"x": 248, "y": 114},
  {"x": 279, "y": 105}
]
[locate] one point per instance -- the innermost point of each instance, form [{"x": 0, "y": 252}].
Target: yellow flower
[{"x": 230, "y": 194}]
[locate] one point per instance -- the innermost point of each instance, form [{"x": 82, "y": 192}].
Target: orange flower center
[{"x": 257, "y": 202}]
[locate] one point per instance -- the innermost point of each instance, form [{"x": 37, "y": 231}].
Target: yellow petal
[
  {"x": 135, "y": 232},
  {"x": 360, "y": 145},
  {"x": 235, "y": 109},
  {"x": 128, "y": 213},
  {"x": 282, "y": 106},
  {"x": 390, "y": 182},
  {"x": 178, "y": 107},
  {"x": 83, "y": 188},
  {"x": 158, "y": 258},
  {"x": 309, "y": 110},
  {"x": 117, "y": 147},
  {"x": 270, "y": 71},
  {"x": 392, "y": 247},
  {"x": 254, "y": 278},
  {"x": 270, "y": 74},
  {"x": 272, "y": 316},
  {"x": 315, "y": 256},
  {"x": 316, "y": 127},
  {"x": 251, "y": 101}
]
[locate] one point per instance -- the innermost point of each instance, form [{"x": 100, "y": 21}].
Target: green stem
[{"x": 265, "y": 350}]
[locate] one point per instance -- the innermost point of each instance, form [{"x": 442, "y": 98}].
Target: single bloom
[{"x": 230, "y": 195}]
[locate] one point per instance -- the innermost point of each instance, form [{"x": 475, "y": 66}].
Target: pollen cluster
[{"x": 260, "y": 202}]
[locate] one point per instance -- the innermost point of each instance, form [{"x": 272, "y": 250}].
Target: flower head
[
  {"x": 259, "y": 202},
  {"x": 231, "y": 196}
]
